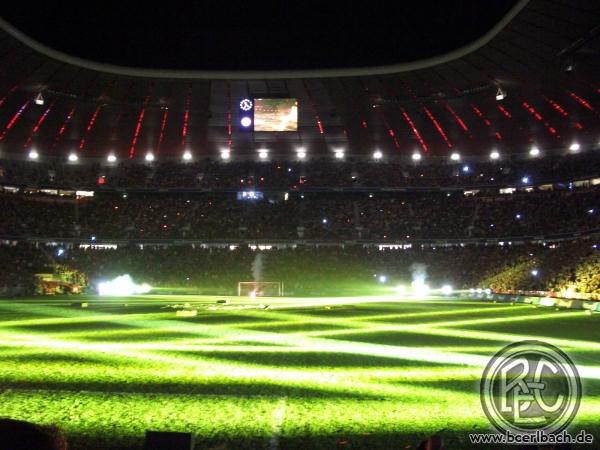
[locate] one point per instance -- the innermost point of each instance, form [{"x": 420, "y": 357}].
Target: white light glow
[
  {"x": 534, "y": 151},
  {"x": 73, "y": 157},
  {"x": 149, "y": 157},
  {"x": 382, "y": 278},
  {"x": 416, "y": 156},
  {"x": 263, "y": 154},
  {"x": 111, "y": 158},
  {"x": 446, "y": 289},
  {"x": 246, "y": 122},
  {"x": 495, "y": 154},
  {"x": 33, "y": 154},
  {"x": 419, "y": 288},
  {"x": 377, "y": 155},
  {"x": 574, "y": 147},
  {"x": 339, "y": 154},
  {"x": 455, "y": 156},
  {"x": 225, "y": 154},
  {"x": 122, "y": 285},
  {"x": 187, "y": 155}
]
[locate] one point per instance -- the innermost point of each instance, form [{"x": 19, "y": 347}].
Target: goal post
[{"x": 260, "y": 288}]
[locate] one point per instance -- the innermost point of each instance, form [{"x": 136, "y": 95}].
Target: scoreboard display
[{"x": 275, "y": 114}]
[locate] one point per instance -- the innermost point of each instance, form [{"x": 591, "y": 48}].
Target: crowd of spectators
[
  {"x": 308, "y": 174},
  {"x": 334, "y": 216}
]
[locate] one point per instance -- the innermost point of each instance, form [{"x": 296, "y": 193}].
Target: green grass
[{"x": 314, "y": 373}]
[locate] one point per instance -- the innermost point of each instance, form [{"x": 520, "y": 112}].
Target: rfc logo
[{"x": 530, "y": 387}]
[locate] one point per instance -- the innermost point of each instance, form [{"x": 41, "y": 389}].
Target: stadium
[{"x": 274, "y": 257}]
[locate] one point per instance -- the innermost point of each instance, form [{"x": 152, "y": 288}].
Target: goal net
[{"x": 260, "y": 288}]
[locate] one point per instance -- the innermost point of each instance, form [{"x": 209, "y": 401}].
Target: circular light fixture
[
  {"x": 301, "y": 153},
  {"x": 534, "y": 151},
  {"x": 246, "y": 104},
  {"x": 455, "y": 157},
  {"x": 494, "y": 155},
  {"x": 187, "y": 155},
  {"x": 574, "y": 147},
  {"x": 225, "y": 154},
  {"x": 33, "y": 154},
  {"x": 149, "y": 157},
  {"x": 262, "y": 154},
  {"x": 73, "y": 157},
  {"x": 246, "y": 122},
  {"x": 377, "y": 154},
  {"x": 111, "y": 158},
  {"x": 339, "y": 154},
  {"x": 416, "y": 156}
]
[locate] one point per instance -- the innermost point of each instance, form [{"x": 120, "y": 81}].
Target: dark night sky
[{"x": 254, "y": 35}]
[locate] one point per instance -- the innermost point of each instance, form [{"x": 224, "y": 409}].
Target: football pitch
[{"x": 326, "y": 373}]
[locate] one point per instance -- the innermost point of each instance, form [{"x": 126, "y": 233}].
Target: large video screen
[{"x": 275, "y": 114}]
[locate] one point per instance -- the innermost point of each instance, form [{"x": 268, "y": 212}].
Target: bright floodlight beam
[
  {"x": 121, "y": 286},
  {"x": 446, "y": 289}
]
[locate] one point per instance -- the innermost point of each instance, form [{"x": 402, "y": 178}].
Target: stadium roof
[{"x": 542, "y": 56}]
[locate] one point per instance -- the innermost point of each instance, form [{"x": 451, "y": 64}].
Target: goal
[{"x": 260, "y": 288}]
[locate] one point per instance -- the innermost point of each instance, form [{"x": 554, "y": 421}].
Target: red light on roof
[
  {"x": 438, "y": 127},
  {"x": 505, "y": 112},
  {"x": 136, "y": 133},
  {"x": 539, "y": 117},
  {"x": 414, "y": 130},
  {"x": 460, "y": 122},
  {"x": 581, "y": 101},
  {"x": 14, "y": 119},
  {"x": 161, "y": 136}
]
